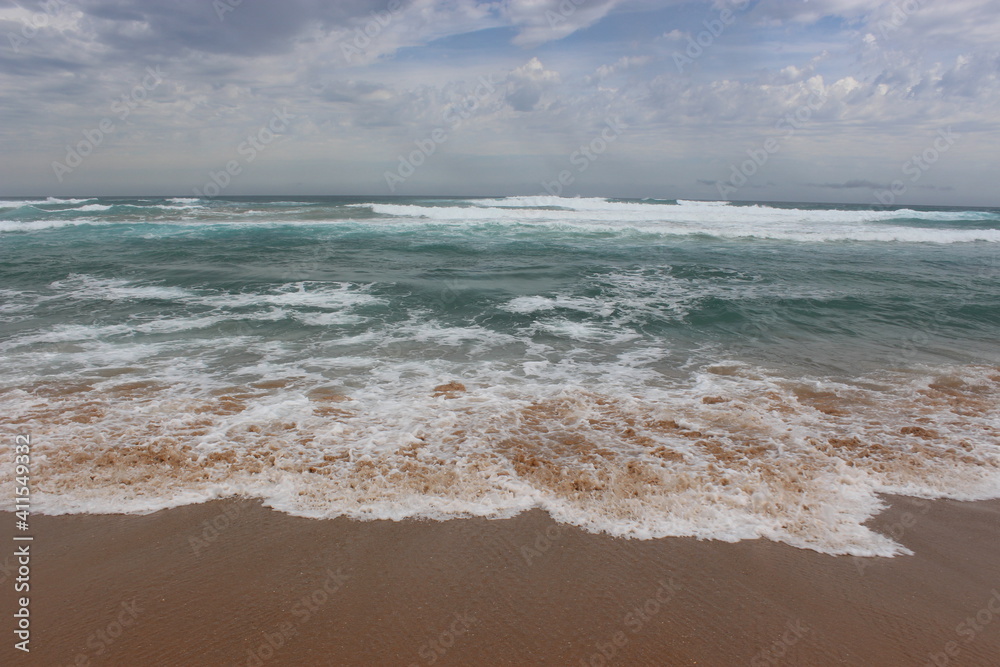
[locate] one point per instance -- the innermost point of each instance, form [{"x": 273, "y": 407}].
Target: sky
[{"x": 764, "y": 100}]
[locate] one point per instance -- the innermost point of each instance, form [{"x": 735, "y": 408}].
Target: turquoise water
[{"x": 289, "y": 349}]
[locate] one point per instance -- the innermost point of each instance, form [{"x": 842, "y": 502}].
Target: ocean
[{"x": 643, "y": 368}]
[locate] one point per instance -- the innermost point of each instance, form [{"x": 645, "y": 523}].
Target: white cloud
[
  {"x": 541, "y": 21},
  {"x": 527, "y": 84},
  {"x": 622, "y": 64}
]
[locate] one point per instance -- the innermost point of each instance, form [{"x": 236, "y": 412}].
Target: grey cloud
[
  {"x": 850, "y": 185},
  {"x": 247, "y": 28},
  {"x": 353, "y": 92},
  {"x": 148, "y": 29}
]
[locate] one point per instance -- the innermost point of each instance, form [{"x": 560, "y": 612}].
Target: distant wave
[
  {"x": 17, "y": 203},
  {"x": 38, "y": 225},
  {"x": 718, "y": 219}
]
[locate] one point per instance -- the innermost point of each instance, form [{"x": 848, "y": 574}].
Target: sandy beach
[
  {"x": 234, "y": 583},
  {"x": 571, "y": 333}
]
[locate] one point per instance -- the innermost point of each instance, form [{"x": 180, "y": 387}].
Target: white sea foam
[
  {"x": 174, "y": 207},
  {"x": 329, "y": 319},
  {"x": 734, "y": 453},
  {"x": 326, "y": 296},
  {"x": 17, "y": 203},
  {"x": 88, "y": 208},
  {"x": 173, "y": 325},
  {"x": 689, "y": 202},
  {"x": 586, "y": 331},
  {"x": 718, "y": 219},
  {"x": 57, "y": 200},
  {"x": 38, "y": 225},
  {"x": 49, "y": 223},
  {"x": 591, "y": 214},
  {"x": 66, "y": 333},
  {"x": 548, "y": 201},
  {"x": 535, "y": 303},
  {"x": 85, "y": 287}
]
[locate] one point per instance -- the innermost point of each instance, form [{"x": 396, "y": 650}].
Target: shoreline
[{"x": 230, "y": 582}]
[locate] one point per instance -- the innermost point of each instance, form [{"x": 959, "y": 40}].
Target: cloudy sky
[{"x": 795, "y": 100}]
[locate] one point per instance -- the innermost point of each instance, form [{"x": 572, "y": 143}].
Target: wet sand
[{"x": 234, "y": 583}]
